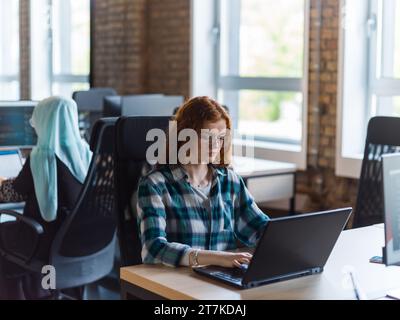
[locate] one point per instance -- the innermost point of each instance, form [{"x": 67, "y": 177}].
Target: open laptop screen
[
  {"x": 391, "y": 179},
  {"x": 10, "y": 163}
]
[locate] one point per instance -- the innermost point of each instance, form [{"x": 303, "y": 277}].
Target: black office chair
[
  {"x": 90, "y": 107},
  {"x": 130, "y": 166},
  {"x": 83, "y": 249},
  {"x": 383, "y": 137}
]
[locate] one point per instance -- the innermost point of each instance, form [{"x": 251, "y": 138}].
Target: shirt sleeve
[
  {"x": 152, "y": 225},
  {"x": 250, "y": 221}
]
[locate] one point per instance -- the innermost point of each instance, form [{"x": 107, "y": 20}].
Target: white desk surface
[
  {"x": 248, "y": 167},
  {"x": 352, "y": 251}
]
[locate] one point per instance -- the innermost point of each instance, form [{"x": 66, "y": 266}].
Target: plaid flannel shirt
[{"x": 172, "y": 221}]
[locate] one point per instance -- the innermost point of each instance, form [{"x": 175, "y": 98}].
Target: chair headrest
[
  {"x": 131, "y": 135},
  {"x": 384, "y": 131},
  {"x": 99, "y": 138}
]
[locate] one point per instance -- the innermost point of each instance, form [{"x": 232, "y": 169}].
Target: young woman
[
  {"x": 193, "y": 214},
  {"x": 49, "y": 183}
]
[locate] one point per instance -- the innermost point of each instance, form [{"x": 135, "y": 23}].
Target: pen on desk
[{"x": 360, "y": 295}]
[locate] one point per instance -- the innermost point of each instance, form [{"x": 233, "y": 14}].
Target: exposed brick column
[
  {"x": 120, "y": 45},
  {"x": 324, "y": 188},
  {"x": 25, "y": 47},
  {"x": 169, "y": 47},
  {"x": 142, "y": 46}
]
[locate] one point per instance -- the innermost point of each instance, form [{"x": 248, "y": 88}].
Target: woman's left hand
[{"x": 2, "y": 179}]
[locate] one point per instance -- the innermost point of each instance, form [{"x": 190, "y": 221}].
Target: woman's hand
[
  {"x": 231, "y": 260},
  {"x": 224, "y": 259},
  {"x": 2, "y": 179}
]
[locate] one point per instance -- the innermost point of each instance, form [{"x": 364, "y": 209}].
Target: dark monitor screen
[{"x": 15, "y": 128}]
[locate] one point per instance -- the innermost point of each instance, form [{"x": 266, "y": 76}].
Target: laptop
[
  {"x": 11, "y": 163},
  {"x": 290, "y": 247}
]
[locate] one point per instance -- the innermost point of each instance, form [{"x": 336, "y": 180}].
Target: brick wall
[
  {"x": 169, "y": 47},
  {"x": 319, "y": 182},
  {"x": 142, "y": 46},
  {"x": 119, "y": 44}
]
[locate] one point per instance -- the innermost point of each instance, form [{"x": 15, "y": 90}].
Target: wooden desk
[
  {"x": 268, "y": 180},
  {"x": 353, "y": 250}
]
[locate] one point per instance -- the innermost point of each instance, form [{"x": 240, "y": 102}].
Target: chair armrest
[
  {"x": 31, "y": 223},
  {"x": 28, "y": 221}
]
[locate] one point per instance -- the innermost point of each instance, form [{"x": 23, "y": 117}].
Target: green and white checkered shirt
[{"x": 172, "y": 221}]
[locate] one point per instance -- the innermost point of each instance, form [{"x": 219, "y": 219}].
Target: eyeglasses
[{"x": 213, "y": 139}]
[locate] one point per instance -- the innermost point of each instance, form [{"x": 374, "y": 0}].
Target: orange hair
[{"x": 194, "y": 113}]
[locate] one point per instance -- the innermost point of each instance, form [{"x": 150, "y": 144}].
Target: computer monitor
[
  {"x": 150, "y": 105},
  {"x": 391, "y": 191},
  {"x": 15, "y": 128}
]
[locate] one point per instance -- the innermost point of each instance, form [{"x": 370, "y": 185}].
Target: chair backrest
[
  {"x": 83, "y": 249},
  {"x": 383, "y": 137},
  {"x": 112, "y": 106},
  {"x": 92, "y": 100},
  {"x": 130, "y": 166}
]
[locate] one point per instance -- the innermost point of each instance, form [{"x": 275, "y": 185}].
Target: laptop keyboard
[
  {"x": 226, "y": 276},
  {"x": 235, "y": 277}
]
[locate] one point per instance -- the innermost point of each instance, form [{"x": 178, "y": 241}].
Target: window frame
[
  {"x": 267, "y": 148},
  {"x": 53, "y": 78},
  {"x": 16, "y": 77},
  {"x": 349, "y": 165}
]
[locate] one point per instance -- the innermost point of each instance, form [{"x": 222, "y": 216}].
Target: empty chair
[
  {"x": 90, "y": 107},
  {"x": 92, "y": 100},
  {"x": 383, "y": 136},
  {"x": 130, "y": 166}
]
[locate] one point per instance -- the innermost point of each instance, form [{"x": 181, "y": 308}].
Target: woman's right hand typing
[{"x": 224, "y": 259}]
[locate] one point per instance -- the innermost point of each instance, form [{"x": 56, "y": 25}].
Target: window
[
  {"x": 60, "y": 47},
  {"x": 260, "y": 77},
  {"x": 9, "y": 49},
  {"x": 370, "y": 74}
]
